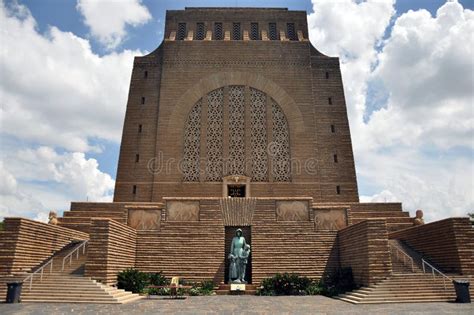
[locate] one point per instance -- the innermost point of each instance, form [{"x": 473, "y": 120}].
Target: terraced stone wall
[
  {"x": 364, "y": 248},
  {"x": 111, "y": 249},
  {"x": 448, "y": 243},
  {"x": 196, "y": 251},
  {"x": 24, "y": 244}
]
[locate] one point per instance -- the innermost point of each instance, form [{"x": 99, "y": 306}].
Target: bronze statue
[{"x": 238, "y": 258}]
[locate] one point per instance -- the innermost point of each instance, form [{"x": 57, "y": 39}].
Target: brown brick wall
[
  {"x": 448, "y": 243},
  {"x": 24, "y": 244},
  {"x": 111, "y": 249},
  {"x": 291, "y": 72},
  {"x": 196, "y": 250},
  {"x": 364, "y": 248},
  {"x": 228, "y": 16}
]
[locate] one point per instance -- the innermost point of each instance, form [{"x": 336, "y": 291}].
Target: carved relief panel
[
  {"x": 292, "y": 210},
  {"x": 144, "y": 219},
  {"x": 330, "y": 219},
  {"x": 177, "y": 210}
]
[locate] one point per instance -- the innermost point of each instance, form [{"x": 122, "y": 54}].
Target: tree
[{"x": 1, "y": 226}]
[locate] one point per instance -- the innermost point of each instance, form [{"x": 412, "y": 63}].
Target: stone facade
[
  {"x": 236, "y": 103},
  {"x": 201, "y": 108}
]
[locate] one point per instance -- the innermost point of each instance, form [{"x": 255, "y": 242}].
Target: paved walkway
[{"x": 239, "y": 305}]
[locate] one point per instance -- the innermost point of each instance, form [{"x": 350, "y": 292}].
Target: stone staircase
[
  {"x": 80, "y": 214},
  {"x": 70, "y": 286},
  {"x": 396, "y": 218},
  {"x": 403, "y": 288},
  {"x": 407, "y": 284}
]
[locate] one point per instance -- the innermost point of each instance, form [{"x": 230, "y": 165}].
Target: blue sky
[
  {"x": 389, "y": 134},
  {"x": 63, "y": 14}
]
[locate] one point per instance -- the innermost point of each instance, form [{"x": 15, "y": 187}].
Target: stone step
[
  {"x": 71, "y": 300},
  {"x": 95, "y": 213},
  {"x": 379, "y": 214},
  {"x": 394, "y": 301},
  {"x": 228, "y": 292}
]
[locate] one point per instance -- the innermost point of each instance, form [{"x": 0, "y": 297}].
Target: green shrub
[
  {"x": 132, "y": 280},
  {"x": 285, "y": 284},
  {"x": 2, "y": 224},
  {"x": 207, "y": 286},
  {"x": 201, "y": 288},
  {"x": 136, "y": 281},
  {"x": 194, "y": 291},
  {"x": 157, "y": 279},
  {"x": 157, "y": 291},
  {"x": 339, "y": 282},
  {"x": 315, "y": 288}
]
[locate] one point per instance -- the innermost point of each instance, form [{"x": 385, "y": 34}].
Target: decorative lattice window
[
  {"x": 291, "y": 32},
  {"x": 192, "y": 143},
  {"x": 254, "y": 32},
  {"x": 218, "y": 32},
  {"x": 280, "y": 148},
  {"x": 258, "y": 136},
  {"x": 200, "y": 31},
  {"x": 273, "y": 32},
  {"x": 181, "y": 34},
  {"x": 214, "y": 135},
  {"x": 236, "y": 32},
  {"x": 236, "y": 161},
  {"x": 246, "y": 139}
]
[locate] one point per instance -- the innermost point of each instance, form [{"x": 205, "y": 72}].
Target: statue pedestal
[{"x": 237, "y": 287}]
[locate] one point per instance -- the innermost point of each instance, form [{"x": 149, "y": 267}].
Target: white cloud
[
  {"x": 351, "y": 30},
  {"x": 56, "y": 95},
  {"x": 108, "y": 19},
  {"x": 14, "y": 201},
  {"x": 427, "y": 65},
  {"x": 416, "y": 145},
  {"x": 39, "y": 180},
  {"x": 54, "y": 90}
]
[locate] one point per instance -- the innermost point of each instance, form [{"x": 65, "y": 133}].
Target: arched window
[{"x": 245, "y": 133}]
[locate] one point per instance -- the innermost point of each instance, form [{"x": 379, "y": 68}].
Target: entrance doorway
[
  {"x": 236, "y": 191},
  {"x": 229, "y": 235}
]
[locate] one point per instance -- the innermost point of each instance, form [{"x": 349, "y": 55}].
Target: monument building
[{"x": 236, "y": 121}]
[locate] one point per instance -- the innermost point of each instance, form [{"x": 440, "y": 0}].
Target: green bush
[
  {"x": 339, "y": 282},
  {"x": 136, "y": 281},
  {"x": 157, "y": 279},
  {"x": 132, "y": 280},
  {"x": 201, "y": 288},
  {"x": 157, "y": 291},
  {"x": 285, "y": 284},
  {"x": 315, "y": 288},
  {"x": 291, "y": 284},
  {"x": 207, "y": 285}
]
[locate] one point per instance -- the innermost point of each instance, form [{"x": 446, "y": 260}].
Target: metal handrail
[
  {"x": 405, "y": 256},
  {"x": 433, "y": 270},
  {"x": 31, "y": 276},
  {"x": 75, "y": 251}
]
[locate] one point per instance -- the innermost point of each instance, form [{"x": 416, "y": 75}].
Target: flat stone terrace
[{"x": 239, "y": 305}]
